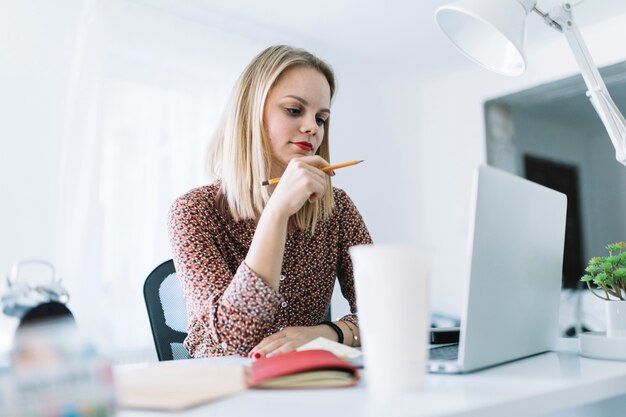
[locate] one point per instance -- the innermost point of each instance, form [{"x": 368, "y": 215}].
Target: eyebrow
[{"x": 306, "y": 103}]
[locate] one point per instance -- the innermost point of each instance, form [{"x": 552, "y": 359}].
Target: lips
[{"x": 305, "y": 146}]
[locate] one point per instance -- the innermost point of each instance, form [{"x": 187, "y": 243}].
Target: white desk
[{"x": 553, "y": 383}]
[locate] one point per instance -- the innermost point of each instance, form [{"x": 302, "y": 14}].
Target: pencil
[{"x": 325, "y": 169}]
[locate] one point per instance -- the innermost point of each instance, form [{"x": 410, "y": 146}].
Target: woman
[{"x": 258, "y": 263}]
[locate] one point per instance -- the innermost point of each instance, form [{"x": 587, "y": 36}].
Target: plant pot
[{"x": 615, "y": 312}]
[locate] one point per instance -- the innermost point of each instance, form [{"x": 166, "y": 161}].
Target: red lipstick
[{"x": 305, "y": 146}]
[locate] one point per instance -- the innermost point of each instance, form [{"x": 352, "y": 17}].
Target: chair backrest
[{"x": 167, "y": 312}]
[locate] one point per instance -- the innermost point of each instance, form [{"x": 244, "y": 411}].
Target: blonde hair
[{"x": 239, "y": 153}]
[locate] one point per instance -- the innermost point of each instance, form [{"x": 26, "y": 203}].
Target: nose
[{"x": 309, "y": 126}]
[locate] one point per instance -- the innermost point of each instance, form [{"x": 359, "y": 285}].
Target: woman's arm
[
  {"x": 229, "y": 312},
  {"x": 302, "y": 181},
  {"x": 352, "y": 232}
]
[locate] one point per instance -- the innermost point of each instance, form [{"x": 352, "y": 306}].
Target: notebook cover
[
  {"x": 291, "y": 363},
  {"x": 176, "y": 385}
]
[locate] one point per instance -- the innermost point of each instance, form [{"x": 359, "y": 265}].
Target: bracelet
[
  {"x": 354, "y": 334},
  {"x": 352, "y": 338},
  {"x": 337, "y": 330}
]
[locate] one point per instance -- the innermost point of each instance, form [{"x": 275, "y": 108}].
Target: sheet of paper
[{"x": 339, "y": 349}]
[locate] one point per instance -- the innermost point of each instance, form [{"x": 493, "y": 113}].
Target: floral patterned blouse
[{"x": 230, "y": 308}]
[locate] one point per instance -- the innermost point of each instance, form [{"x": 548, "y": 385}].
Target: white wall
[
  {"x": 452, "y": 143},
  {"x": 35, "y": 51},
  {"x": 370, "y": 122},
  {"x": 36, "y": 48}
]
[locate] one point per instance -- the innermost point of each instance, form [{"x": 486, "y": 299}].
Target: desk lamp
[{"x": 491, "y": 33}]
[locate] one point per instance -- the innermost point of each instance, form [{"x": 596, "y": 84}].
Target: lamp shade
[{"x": 489, "y": 32}]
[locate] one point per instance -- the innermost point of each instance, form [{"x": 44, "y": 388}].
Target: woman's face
[{"x": 295, "y": 115}]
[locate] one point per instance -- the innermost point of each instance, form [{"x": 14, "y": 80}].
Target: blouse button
[
  {"x": 283, "y": 304},
  {"x": 224, "y": 345},
  {"x": 282, "y": 277}
]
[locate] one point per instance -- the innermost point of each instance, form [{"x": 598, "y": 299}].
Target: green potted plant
[{"x": 608, "y": 275}]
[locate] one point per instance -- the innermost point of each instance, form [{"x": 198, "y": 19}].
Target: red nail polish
[{"x": 256, "y": 355}]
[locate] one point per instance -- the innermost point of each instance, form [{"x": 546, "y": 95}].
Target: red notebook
[
  {"x": 176, "y": 385},
  {"x": 305, "y": 369}
]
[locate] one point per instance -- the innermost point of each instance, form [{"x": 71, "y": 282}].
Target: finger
[
  {"x": 270, "y": 347},
  {"x": 308, "y": 166},
  {"x": 289, "y": 346},
  {"x": 266, "y": 341},
  {"x": 313, "y": 160},
  {"x": 318, "y": 190},
  {"x": 309, "y": 178},
  {"x": 314, "y": 197}
]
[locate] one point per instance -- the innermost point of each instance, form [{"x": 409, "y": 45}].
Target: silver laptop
[{"x": 512, "y": 293}]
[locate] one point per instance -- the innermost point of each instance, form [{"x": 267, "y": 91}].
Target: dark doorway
[{"x": 563, "y": 178}]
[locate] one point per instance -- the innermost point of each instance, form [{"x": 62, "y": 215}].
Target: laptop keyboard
[{"x": 445, "y": 352}]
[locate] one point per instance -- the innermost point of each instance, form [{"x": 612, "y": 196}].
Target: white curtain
[{"x": 147, "y": 87}]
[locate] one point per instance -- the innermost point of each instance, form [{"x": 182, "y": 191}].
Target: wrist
[
  {"x": 326, "y": 332},
  {"x": 275, "y": 212},
  {"x": 336, "y": 330}
]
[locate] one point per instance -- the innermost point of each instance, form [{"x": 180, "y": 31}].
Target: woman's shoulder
[
  {"x": 340, "y": 195},
  {"x": 196, "y": 200},
  {"x": 343, "y": 201}
]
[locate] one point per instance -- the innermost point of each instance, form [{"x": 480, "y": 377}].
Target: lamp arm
[{"x": 598, "y": 94}]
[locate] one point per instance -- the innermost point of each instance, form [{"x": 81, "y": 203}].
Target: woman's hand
[
  {"x": 302, "y": 181},
  {"x": 288, "y": 339}
]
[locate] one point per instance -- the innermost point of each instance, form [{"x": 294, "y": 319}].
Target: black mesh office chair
[{"x": 167, "y": 312}]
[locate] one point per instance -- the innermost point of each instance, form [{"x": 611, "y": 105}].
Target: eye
[
  {"x": 320, "y": 121},
  {"x": 293, "y": 111}
]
